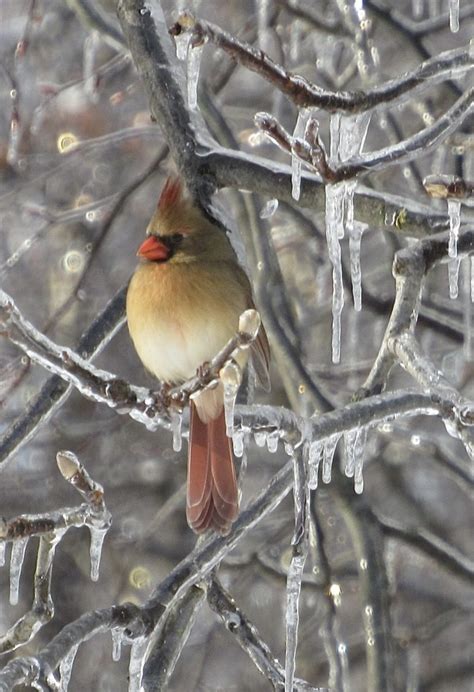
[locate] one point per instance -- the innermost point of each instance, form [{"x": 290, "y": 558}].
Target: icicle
[
  {"x": 298, "y": 132},
  {"x": 454, "y": 212},
  {"x": 182, "y": 44},
  {"x": 91, "y": 44},
  {"x": 262, "y": 21},
  {"x": 117, "y": 639},
  {"x": 230, "y": 376},
  {"x": 293, "y": 590},
  {"x": 355, "y": 236},
  {"x": 454, "y": 15},
  {"x": 354, "y": 448},
  {"x": 194, "y": 64},
  {"x": 453, "y": 276},
  {"x": 238, "y": 442},
  {"x": 295, "y": 39},
  {"x": 329, "y": 448},
  {"x": 334, "y": 227},
  {"x": 65, "y": 668},
  {"x": 272, "y": 441},
  {"x": 137, "y": 659},
  {"x": 472, "y": 279},
  {"x": 3, "y": 547},
  {"x": 260, "y": 438},
  {"x": 269, "y": 209},
  {"x": 314, "y": 459},
  {"x": 467, "y": 308},
  {"x": 16, "y": 563},
  {"x": 417, "y": 8},
  {"x": 176, "y": 424},
  {"x": 97, "y": 541},
  {"x": 300, "y": 543}
]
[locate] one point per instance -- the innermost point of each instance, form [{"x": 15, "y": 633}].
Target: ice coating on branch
[
  {"x": 65, "y": 668},
  {"x": 298, "y": 132},
  {"x": 3, "y": 548},
  {"x": 230, "y": 376},
  {"x": 97, "y": 541},
  {"x": 454, "y": 212},
  {"x": 193, "y": 65},
  {"x": 314, "y": 460},
  {"x": 453, "y": 277},
  {"x": 293, "y": 590},
  {"x": 137, "y": 660},
  {"x": 117, "y": 639},
  {"x": 454, "y": 15},
  {"x": 269, "y": 208},
  {"x": 176, "y": 424},
  {"x": 16, "y": 563},
  {"x": 329, "y": 449},
  {"x": 238, "y": 442}
]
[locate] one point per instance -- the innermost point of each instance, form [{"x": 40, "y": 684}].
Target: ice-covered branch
[
  {"x": 307, "y": 95},
  {"x": 448, "y": 187},
  {"x": 50, "y": 528},
  {"x": 313, "y": 153},
  {"x": 104, "y": 387},
  {"x": 55, "y": 390},
  {"x": 248, "y": 637}
]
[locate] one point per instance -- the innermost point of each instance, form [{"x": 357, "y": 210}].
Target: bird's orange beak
[{"x": 153, "y": 249}]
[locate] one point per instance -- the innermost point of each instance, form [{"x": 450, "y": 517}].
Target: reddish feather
[
  {"x": 212, "y": 500},
  {"x": 171, "y": 194}
]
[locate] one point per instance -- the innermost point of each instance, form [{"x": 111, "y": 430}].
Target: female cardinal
[{"x": 183, "y": 305}]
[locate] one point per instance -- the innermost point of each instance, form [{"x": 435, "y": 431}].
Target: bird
[{"x": 183, "y": 305}]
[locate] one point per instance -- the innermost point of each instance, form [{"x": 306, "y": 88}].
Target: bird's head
[{"x": 179, "y": 232}]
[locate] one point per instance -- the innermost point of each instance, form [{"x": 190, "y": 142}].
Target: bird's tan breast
[{"x": 180, "y": 316}]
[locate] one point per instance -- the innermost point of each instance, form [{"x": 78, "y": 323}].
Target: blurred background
[{"x": 81, "y": 167}]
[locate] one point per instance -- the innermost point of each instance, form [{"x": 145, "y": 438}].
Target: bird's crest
[{"x": 171, "y": 194}]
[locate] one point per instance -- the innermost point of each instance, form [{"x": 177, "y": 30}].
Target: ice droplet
[
  {"x": 176, "y": 424},
  {"x": 230, "y": 376},
  {"x": 329, "y": 449},
  {"x": 269, "y": 209},
  {"x": 260, "y": 438},
  {"x": 454, "y": 213},
  {"x": 117, "y": 639},
  {"x": 453, "y": 277},
  {"x": 193, "y": 65},
  {"x": 97, "y": 541},
  {"x": 65, "y": 668},
  {"x": 293, "y": 590},
  {"x": 454, "y": 15},
  {"x": 238, "y": 442},
  {"x": 272, "y": 441},
  {"x": 16, "y": 563}
]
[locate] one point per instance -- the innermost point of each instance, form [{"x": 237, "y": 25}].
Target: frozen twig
[
  {"x": 50, "y": 528},
  {"x": 307, "y": 95},
  {"x": 313, "y": 153},
  {"x": 55, "y": 390},
  {"x": 104, "y": 387},
  {"x": 448, "y": 187},
  {"x": 249, "y": 638}
]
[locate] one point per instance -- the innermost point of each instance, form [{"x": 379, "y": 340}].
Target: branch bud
[{"x": 68, "y": 464}]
